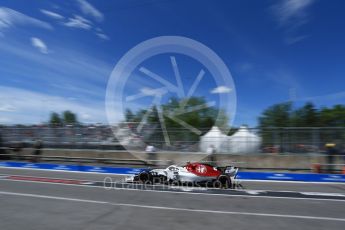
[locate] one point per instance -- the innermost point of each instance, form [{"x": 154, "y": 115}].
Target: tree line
[
  {"x": 285, "y": 115},
  {"x": 65, "y": 118},
  {"x": 277, "y": 126},
  {"x": 278, "y": 115}
]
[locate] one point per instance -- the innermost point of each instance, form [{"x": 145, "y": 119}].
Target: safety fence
[{"x": 102, "y": 137}]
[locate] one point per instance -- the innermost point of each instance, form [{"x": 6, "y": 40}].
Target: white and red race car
[{"x": 191, "y": 173}]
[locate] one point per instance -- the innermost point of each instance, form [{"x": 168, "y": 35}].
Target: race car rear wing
[{"x": 231, "y": 171}]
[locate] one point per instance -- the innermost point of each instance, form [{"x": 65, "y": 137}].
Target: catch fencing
[{"x": 272, "y": 140}]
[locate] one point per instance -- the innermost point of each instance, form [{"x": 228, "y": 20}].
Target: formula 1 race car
[{"x": 191, "y": 174}]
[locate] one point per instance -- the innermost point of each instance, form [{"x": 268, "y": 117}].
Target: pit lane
[{"x": 269, "y": 205}]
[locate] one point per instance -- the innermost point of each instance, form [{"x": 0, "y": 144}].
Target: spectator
[
  {"x": 343, "y": 156},
  {"x": 331, "y": 153},
  {"x": 150, "y": 150},
  {"x": 2, "y": 150},
  {"x": 17, "y": 149},
  {"x": 37, "y": 152}
]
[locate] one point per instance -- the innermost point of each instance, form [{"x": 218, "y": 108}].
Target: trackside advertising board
[{"x": 71, "y": 168}]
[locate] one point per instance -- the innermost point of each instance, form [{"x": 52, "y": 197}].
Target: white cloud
[
  {"x": 99, "y": 32},
  {"x": 7, "y": 108},
  {"x": 79, "y": 22},
  {"x": 5, "y": 120},
  {"x": 145, "y": 91},
  {"x": 10, "y": 18},
  {"x": 289, "y": 11},
  {"x": 149, "y": 92},
  {"x": 52, "y": 14},
  {"x": 291, "y": 14},
  {"x": 220, "y": 90},
  {"x": 39, "y": 44},
  {"x": 34, "y": 107},
  {"x": 85, "y": 116},
  {"x": 102, "y": 36},
  {"x": 88, "y": 9},
  {"x": 63, "y": 67}
]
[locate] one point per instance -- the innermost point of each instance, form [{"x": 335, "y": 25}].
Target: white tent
[
  {"x": 241, "y": 142},
  {"x": 244, "y": 141},
  {"x": 214, "y": 138}
]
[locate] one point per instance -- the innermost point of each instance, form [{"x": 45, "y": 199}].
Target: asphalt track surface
[{"x": 34, "y": 199}]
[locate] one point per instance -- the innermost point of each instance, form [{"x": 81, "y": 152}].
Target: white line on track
[
  {"x": 318, "y": 218},
  {"x": 232, "y": 195},
  {"x": 186, "y": 189},
  {"x": 249, "y": 191},
  {"x": 179, "y": 192},
  {"x": 293, "y": 182}
]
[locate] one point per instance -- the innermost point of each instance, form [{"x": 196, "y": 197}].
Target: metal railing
[{"x": 273, "y": 140}]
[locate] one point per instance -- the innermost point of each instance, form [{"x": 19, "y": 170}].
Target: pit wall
[
  {"x": 255, "y": 161},
  {"x": 305, "y": 177}
]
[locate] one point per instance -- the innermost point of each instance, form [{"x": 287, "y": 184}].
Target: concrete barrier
[{"x": 254, "y": 161}]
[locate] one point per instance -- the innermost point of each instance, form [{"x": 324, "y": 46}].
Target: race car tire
[
  {"x": 223, "y": 181},
  {"x": 216, "y": 184},
  {"x": 145, "y": 177}
]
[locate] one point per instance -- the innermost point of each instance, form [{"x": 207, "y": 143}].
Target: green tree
[
  {"x": 333, "y": 117},
  {"x": 276, "y": 116},
  {"x": 69, "y": 117},
  {"x": 310, "y": 115},
  {"x": 55, "y": 119},
  {"x": 282, "y": 115},
  {"x": 193, "y": 111},
  {"x": 129, "y": 115},
  {"x": 307, "y": 116}
]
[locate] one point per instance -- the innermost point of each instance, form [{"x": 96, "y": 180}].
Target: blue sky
[{"x": 57, "y": 55}]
